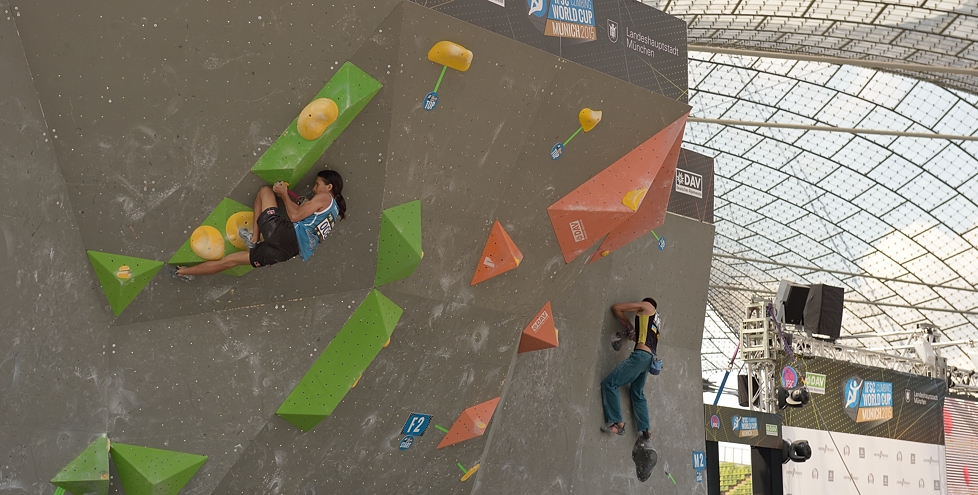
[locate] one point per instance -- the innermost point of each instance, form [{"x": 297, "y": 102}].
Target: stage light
[
  {"x": 795, "y": 397},
  {"x": 797, "y": 451}
]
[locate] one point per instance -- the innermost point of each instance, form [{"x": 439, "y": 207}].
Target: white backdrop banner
[{"x": 843, "y": 464}]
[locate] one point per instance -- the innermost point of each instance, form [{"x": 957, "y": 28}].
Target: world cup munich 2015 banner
[
  {"x": 622, "y": 38},
  {"x": 862, "y": 400}
]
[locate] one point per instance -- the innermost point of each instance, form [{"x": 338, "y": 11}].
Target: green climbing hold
[
  {"x": 219, "y": 219},
  {"x": 399, "y": 248},
  {"x": 148, "y": 471},
  {"x": 87, "y": 473},
  {"x": 291, "y": 156},
  {"x": 342, "y": 362},
  {"x": 122, "y": 277}
]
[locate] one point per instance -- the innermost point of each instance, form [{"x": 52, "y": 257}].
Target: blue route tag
[
  {"x": 416, "y": 424},
  {"x": 699, "y": 460},
  {"x": 556, "y": 151},
  {"x": 430, "y": 101},
  {"x": 407, "y": 442}
]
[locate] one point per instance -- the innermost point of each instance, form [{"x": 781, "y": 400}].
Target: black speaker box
[
  {"x": 794, "y": 305},
  {"x": 743, "y": 394},
  {"x": 823, "y": 311}
]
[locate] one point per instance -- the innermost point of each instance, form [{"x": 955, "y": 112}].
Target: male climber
[
  {"x": 633, "y": 370},
  {"x": 298, "y": 231}
]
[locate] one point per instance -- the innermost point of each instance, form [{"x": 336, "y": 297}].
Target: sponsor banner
[
  {"x": 815, "y": 383},
  {"x": 726, "y": 424},
  {"x": 692, "y": 193},
  {"x": 844, "y": 464},
  {"x": 622, "y": 38},
  {"x": 961, "y": 444},
  {"x": 861, "y": 400}
]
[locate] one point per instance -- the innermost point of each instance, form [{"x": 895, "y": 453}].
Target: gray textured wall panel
[{"x": 198, "y": 92}]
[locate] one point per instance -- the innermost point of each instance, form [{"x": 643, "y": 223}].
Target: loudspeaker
[
  {"x": 823, "y": 311},
  {"x": 743, "y": 394},
  {"x": 789, "y": 302}
]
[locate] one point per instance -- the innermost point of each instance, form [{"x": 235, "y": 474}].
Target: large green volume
[
  {"x": 148, "y": 471},
  {"x": 399, "y": 248},
  {"x": 291, "y": 155},
  {"x": 89, "y": 472},
  {"x": 122, "y": 277},
  {"x": 342, "y": 362}
]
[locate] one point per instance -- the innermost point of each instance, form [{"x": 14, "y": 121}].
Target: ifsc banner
[
  {"x": 622, "y": 38},
  {"x": 863, "y": 400},
  {"x": 754, "y": 428}
]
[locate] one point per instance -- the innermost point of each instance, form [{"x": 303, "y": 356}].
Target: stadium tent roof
[{"x": 892, "y": 219}]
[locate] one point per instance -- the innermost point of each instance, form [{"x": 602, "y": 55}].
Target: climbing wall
[{"x": 185, "y": 99}]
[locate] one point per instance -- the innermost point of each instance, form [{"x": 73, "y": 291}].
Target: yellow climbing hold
[
  {"x": 388, "y": 342},
  {"x": 468, "y": 474},
  {"x": 451, "y": 54},
  {"x": 357, "y": 381},
  {"x": 634, "y": 198},
  {"x": 589, "y": 118},
  {"x": 605, "y": 253},
  {"x": 241, "y": 219},
  {"x": 124, "y": 273},
  {"x": 316, "y": 117},
  {"x": 207, "y": 243},
  {"x": 517, "y": 260}
]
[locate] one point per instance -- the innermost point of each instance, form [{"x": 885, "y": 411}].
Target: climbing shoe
[
  {"x": 245, "y": 236},
  {"x": 614, "y": 428},
  {"x": 183, "y": 278}
]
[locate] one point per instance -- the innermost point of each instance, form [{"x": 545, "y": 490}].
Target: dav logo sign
[
  {"x": 689, "y": 183},
  {"x": 868, "y": 402},
  {"x": 577, "y": 230},
  {"x": 540, "y": 321},
  {"x": 815, "y": 382}
]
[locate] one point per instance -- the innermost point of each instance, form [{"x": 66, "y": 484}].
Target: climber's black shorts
[{"x": 279, "y": 242}]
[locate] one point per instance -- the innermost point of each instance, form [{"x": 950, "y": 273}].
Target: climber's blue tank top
[{"x": 312, "y": 230}]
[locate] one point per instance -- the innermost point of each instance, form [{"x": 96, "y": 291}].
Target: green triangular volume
[
  {"x": 122, "y": 277},
  {"x": 346, "y": 357},
  {"x": 148, "y": 471},
  {"x": 89, "y": 472},
  {"x": 291, "y": 156},
  {"x": 399, "y": 247}
]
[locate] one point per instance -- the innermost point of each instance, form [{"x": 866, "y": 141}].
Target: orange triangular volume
[
  {"x": 595, "y": 208},
  {"x": 652, "y": 212},
  {"x": 500, "y": 255},
  {"x": 540, "y": 333},
  {"x": 471, "y": 423}
]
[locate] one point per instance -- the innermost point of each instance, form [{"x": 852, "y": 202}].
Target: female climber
[{"x": 298, "y": 231}]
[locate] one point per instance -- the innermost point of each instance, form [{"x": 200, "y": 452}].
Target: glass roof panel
[
  {"x": 927, "y": 103},
  {"x": 927, "y": 191},
  {"x": 865, "y": 226},
  {"x": 876, "y": 206},
  {"x": 878, "y": 200},
  {"x": 958, "y": 214}
]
